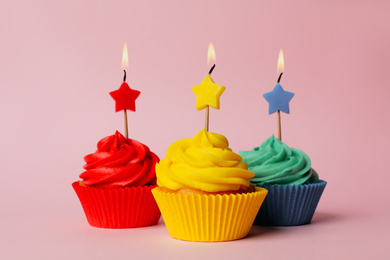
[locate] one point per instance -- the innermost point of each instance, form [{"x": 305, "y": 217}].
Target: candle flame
[
  {"x": 211, "y": 55},
  {"x": 125, "y": 58},
  {"x": 280, "y": 62}
]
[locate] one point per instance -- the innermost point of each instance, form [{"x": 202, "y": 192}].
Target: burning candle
[
  {"x": 278, "y": 98},
  {"x": 125, "y": 96},
  {"x": 208, "y": 93}
]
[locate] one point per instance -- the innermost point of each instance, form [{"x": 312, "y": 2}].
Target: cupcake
[
  {"x": 294, "y": 188},
  {"x": 115, "y": 188},
  {"x": 204, "y": 191}
]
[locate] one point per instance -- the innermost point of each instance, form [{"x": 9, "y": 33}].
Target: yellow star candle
[{"x": 208, "y": 93}]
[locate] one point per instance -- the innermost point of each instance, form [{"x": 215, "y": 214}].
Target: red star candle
[{"x": 125, "y": 96}]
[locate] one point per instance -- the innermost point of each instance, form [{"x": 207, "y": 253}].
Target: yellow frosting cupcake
[{"x": 205, "y": 193}]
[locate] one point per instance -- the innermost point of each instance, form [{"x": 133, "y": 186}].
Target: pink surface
[{"x": 59, "y": 61}]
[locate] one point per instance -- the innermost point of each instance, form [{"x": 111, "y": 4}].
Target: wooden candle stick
[
  {"x": 126, "y": 125},
  {"x": 279, "y": 127},
  {"x": 207, "y": 116},
  {"x": 125, "y": 111},
  {"x": 279, "y": 119}
]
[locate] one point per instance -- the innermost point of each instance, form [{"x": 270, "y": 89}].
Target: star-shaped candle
[
  {"x": 208, "y": 93},
  {"x": 278, "y": 98},
  {"x": 125, "y": 96}
]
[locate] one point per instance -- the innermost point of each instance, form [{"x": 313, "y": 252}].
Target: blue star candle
[{"x": 279, "y": 99}]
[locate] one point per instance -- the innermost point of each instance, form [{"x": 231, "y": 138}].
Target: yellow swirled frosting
[{"x": 204, "y": 162}]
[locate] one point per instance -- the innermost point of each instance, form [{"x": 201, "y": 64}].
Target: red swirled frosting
[{"x": 119, "y": 162}]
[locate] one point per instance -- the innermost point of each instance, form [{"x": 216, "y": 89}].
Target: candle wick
[
  {"x": 124, "y": 76},
  {"x": 280, "y": 76},
  {"x": 211, "y": 70}
]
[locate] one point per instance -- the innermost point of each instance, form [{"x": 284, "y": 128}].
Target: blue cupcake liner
[{"x": 289, "y": 205}]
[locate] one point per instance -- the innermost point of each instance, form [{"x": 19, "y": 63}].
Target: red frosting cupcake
[{"x": 115, "y": 190}]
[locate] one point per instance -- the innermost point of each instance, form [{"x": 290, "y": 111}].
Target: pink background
[{"x": 59, "y": 60}]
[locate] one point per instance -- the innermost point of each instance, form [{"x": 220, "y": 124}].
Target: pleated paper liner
[
  {"x": 290, "y": 205},
  {"x": 118, "y": 207},
  {"x": 209, "y": 218}
]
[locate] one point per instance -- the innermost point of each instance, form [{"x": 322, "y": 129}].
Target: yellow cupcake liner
[{"x": 209, "y": 218}]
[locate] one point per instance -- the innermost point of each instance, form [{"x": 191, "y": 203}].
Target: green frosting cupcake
[{"x": 276, "y": 163}]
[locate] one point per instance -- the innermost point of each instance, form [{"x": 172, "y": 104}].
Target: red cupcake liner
[{"x": 128, "y": 207}]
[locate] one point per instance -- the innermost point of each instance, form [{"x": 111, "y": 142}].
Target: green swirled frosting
[{"x": 276, "y": 163}]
